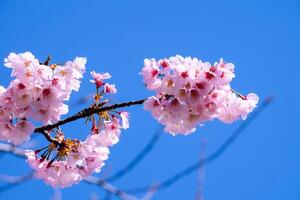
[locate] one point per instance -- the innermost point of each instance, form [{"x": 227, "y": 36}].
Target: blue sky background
[{"x": 260, "y": 37}]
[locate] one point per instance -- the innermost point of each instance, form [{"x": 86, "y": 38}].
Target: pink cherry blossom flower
[
  {"x": 98, "y": 79},
  {"x": 74, "y": 161},
  {"x": 190, "y": 92},
  {"x": 37, "y": 93},
  {"x": 124, "y": 117},
  {"x": 109, "y": 88}
]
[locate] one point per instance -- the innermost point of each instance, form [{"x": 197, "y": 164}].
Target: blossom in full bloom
[
  {"x": 73, "y": 160},
  {"x": 190, "y": 92},
  {"x": 109, "y": 88},
  {"x": 70, "y": 161},
  {"x": 37, "y": 93},
  {"x": 98, "y": 78}
]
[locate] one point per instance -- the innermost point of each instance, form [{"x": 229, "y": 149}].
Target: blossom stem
[
  {"x": 239, "y": 94},
  {"x": 82, "y": 114},
  {"x": 48, "y": 137}
]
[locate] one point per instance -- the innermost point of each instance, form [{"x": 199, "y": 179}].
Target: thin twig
[
  {"x": 201, "y": 171},
  {"x": 170, "y": 181},
  {"x": 47, "y": 61},
  {"x": 13, "y": 181},
  {"x": 8, "y": 148},
  {"x": 109, "y": 188},
  {"x": 49, "y": 138},
  {"x": 56, "y": 194},
  {"x": 140, "y": 156},
  {"x": 224, "y": 146},
  {"x": 149, "y": 195}
]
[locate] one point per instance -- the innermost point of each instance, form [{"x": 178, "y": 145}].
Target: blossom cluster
[
  {"x": 190, "y": 92},
  {"x": 74, "y": 160},
  {"x": 37, "y": 93}
]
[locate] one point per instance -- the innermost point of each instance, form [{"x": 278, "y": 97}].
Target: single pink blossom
[{"x": 98, "y": 79}]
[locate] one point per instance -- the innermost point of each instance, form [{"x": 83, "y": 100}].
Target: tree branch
[
  {"x": 81, "y": 114},
  {"x": 201, "y": 171},
  {"x": 85, "y": 113},
  {"x": 13, "y": 181},
  {"x": 137, "y": 159},
  {"x": 215, "y": 155},
  {"x": 8, "y": 148},
  {"x": 168, "y": 182},
  {"x": 109, "y": 188}
]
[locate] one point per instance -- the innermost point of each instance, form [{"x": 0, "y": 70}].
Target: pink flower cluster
[
  {"x": 74, "y": 159},
  {"x": 82, "y": 160},
  {"x": 190, "y": 92},
  {"x": 36, "y": 93}
]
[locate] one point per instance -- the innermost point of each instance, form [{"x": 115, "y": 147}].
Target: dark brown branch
[
  {"x": 49, "y": 138},
  {"x": 82, "y": 114},
  {"x": 85, "y": 113},
  {"x": 47, "y": 61}
]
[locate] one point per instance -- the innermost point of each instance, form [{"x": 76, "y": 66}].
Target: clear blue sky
[{"x": 260, "y": 37}]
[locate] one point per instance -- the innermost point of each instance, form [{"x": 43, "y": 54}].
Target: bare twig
[
  {"x": 56, "y": 194},
  {"x": 199, "y": 188},
  {"x": 48, "y": 137},
  {"x": 224, "y": 146},
  {"x": 47, "y": 61},
  {"x": 109, "y": 188},
  {"x": 149, "y": 195},
  {"x": 13, "y": 181},
  {"x": 131, "y": 165},
  {"x": 9, "y": 148},
  {"x": 168, "y": 182}
]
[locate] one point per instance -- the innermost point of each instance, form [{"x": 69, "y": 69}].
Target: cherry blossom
[
  {"x": 70, "y": 161},
  {"x": 36, "y": 94},
  {"x": 98, "y": 78},
  {"x": 109, "y": 88},
  {"x": 74, "y": 160},
  {"x": 190, "y": 92}
]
